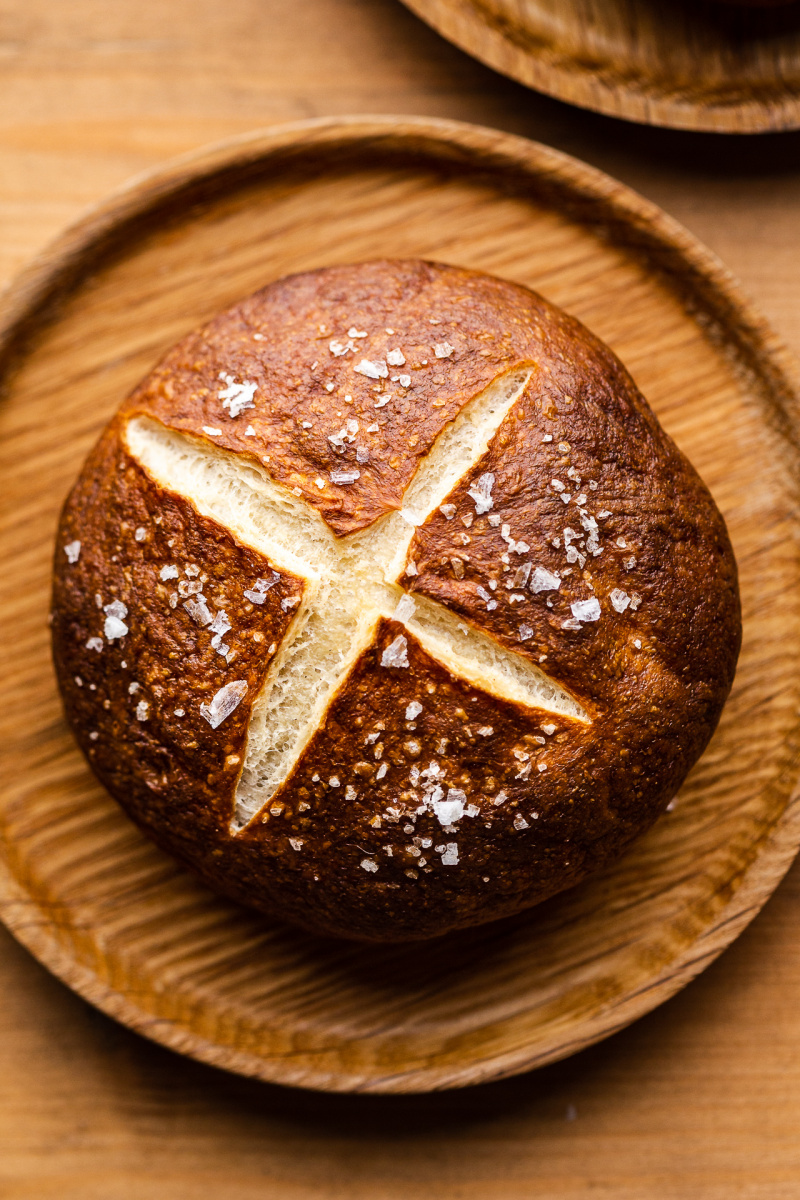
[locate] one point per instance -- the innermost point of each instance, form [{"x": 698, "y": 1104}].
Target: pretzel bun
[{"x": 385, "y": 604}]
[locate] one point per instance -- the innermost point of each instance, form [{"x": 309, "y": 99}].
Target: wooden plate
[
  {"x": 689, "y": 64},
  {"x": 115, "y": 918}
]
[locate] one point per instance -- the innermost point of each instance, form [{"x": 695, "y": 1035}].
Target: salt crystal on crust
[
  {"x": 396, "y": 653},
  {"x": 543, "y": 580},
  {"x": 586, "y": 610},
  {"x": 114, "y": 628},
  {"x": 481, "y": 493},
  {"x": 198, "y": 611},
  {"x": 236, "y": 397},
  {"x": 619, "y": 599},
  {"x": 372, "y": 370},
  {"x": 405, "y": 609},
  {"x": 452, "y": 809},
  {"x": 224, "y": 702},
  {"x": 73, "y": 551}
]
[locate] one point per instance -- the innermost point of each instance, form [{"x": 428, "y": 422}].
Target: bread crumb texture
[{"x": 385, "y": 604}]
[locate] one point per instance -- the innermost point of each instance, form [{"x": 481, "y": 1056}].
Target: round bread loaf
[{"x": 386, "y": 605}]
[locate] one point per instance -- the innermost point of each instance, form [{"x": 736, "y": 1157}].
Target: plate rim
[
  {"x": 458, "y": 23},
  {"x": 57, "y": 269}
]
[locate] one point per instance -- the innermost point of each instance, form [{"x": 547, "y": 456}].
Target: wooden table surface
[{"x": 700, "y": 1100}]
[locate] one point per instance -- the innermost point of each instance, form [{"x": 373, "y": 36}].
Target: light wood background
[{"x": 700, "y": 1100}]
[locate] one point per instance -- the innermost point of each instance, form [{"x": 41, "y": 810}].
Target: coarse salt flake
[
  {"x": 142, "y": 710},
  {"x": 452, "y": 809},
  {"x": 372, "y": 370},
  {"x": 344, "y": 477},
  {"x": 525, "y": 633},
  {"x": 258, "y": 592},
  {"x": 116, "y": 609},
  {"x": 413, "y": 710},
  {"x": 396, "y": 653},
  {"x": 543, "y": 580},
  {"x": 73, "y": 551},
  {"x": 586, "y": 610},
  {"x": 296, "y": 843},
  {"x": 443, "y": 349},
  {"x": 198, "y": 610},
  {"x": 395, "y": 358},
  {"x": 114, "y": 627},
  {"x": 95, "y": 643},
  {"x": 236, "y": 397},
  {"x": 369, "y": 864},
  {"x": 619, "y": 599},
  {"x": 211, "y": 430},
  {"x": 481, "y": 493},
  {"x": 520, "y": 822},
  {"x": 140, "y": 534},
  {"x": 224, "y": 702},
  {"x": 450, "y": 856},
  {"x": 168, "y": 572}
]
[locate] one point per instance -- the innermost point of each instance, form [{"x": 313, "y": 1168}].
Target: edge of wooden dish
[
  {"x": 576, "y": 83},
  {"x": 32, "y": 301}
]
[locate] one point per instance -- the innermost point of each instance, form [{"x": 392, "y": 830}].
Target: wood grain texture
[
  {"x": 128, "y": 929},
  {"x": 703, "y": 66}
]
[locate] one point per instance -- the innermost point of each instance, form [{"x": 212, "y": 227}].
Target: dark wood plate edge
[{"x": 507, "y": 51}]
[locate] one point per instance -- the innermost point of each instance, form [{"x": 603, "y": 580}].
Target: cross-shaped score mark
[{"x": 351, "y": 582}]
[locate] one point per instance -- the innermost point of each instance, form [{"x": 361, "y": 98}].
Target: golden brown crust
[
  {"x": 491, "y": 326},
  {"x": 585, "y": 488},
  {"x": 135, "y": 701}
]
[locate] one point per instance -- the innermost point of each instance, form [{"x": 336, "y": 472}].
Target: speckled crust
[
  {"x": 301, "y": 385},
  {"x": 585, "y": 487},
  {"x": 131, "y": 534}
]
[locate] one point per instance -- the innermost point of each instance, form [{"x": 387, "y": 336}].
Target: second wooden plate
[
  {"x": 136, "y": 935},
  {"x": 689, "y": 64}
]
